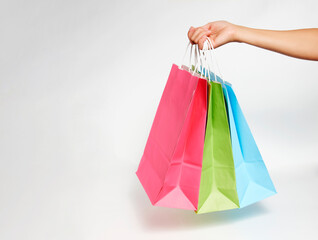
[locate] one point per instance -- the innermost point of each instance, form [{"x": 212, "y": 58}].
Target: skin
[{"x": 301, "y": 43}]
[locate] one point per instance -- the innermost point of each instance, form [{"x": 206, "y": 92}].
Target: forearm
[{"x": 302, "y": 43}]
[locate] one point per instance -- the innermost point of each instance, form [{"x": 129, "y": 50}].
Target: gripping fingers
[
  {"x": 197, "y": 34},
  {"x": 190, "y": 34},
  {"x": 201, "y": 41}
]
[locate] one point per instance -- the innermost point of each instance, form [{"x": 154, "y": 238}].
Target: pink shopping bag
[{"x": 170, "y": 168}]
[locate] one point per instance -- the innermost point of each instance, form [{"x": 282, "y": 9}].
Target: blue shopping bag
[{"x": 253, "y": 182}]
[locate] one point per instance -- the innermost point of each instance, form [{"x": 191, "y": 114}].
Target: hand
[{"x": 219, "y": 32}]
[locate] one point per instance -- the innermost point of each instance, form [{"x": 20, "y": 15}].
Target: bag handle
[
  {"x": 212, "y": 53},
  {"x": 185, "y": 53},
  {"x": 199, "y": 58},
  {"x": 205, "y": 58},
  {"x": 207, "y": 70}
]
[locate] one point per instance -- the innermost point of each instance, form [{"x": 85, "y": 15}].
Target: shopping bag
[
  {"x": 170, "y": 168},
  {"x": 218, "y": 184},
  {"x": 252, "y": 178}
]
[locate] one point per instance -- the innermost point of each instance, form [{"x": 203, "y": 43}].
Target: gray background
[{"x": 80, "y": 82}]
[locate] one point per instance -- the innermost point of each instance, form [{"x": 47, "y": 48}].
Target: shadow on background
[{"x": 159, "y": 218}]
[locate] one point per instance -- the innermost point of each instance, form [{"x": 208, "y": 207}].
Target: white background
[{"x": 80, "y": 82}]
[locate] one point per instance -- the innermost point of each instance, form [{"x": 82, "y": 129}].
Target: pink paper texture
[{"x": 170, "y": 168}]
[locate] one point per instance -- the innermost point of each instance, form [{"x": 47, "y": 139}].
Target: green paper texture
[{"x": 218, "y": 185}]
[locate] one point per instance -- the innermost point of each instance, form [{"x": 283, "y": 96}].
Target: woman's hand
[
  {"x": 301, "y": 43},
  {"x": 219, "y": 32}
]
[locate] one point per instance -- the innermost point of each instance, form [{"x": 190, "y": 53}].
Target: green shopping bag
[{"x": 218, "y": 185}]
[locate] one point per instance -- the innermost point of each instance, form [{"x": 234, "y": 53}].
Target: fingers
[
  {"x": 198, "y": 35},
  {"x": 207, "y": 26},
  {"x": 201, "y": 42},
  {"x": 211, "y": 42},
  {"x": 190, "y": 33}
]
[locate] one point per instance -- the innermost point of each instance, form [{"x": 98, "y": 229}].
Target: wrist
[{"x": 237, "y": 33}]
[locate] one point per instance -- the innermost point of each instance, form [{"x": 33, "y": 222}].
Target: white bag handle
[
  {"x": 204, "y": 64},
  {"x": 185, "y": 53},
  {"x": 212, "y": 53},
  {"x": 200, "y": 58},
  {"x": 207, "y": 69},
  {"x": 190, "y": 59}
]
